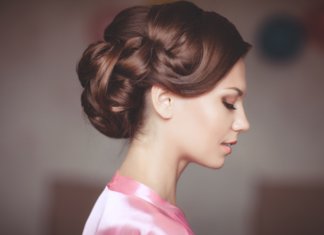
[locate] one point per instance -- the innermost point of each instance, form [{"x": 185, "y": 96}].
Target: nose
[{"x": 241, "y": 123}]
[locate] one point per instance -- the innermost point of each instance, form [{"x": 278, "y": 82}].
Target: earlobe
[{"x": 162, "y": 101}]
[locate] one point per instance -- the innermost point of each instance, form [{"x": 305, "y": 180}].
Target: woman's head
[
  {"x": 201, "y": 129},
  {"x": 176, "y": 46}
]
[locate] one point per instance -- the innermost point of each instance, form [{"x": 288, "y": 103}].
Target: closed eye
[{"x": 229, "y": 106}]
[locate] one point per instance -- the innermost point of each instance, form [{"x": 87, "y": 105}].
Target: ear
[{"x": 162, "y": 101}]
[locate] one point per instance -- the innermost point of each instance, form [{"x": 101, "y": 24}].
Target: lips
[
  {"x": 228, "y": 146},
  {"x": 229, "y": 143}
]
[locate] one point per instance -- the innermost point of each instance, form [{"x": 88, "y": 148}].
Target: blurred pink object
[{"x": 129, "y": 207}]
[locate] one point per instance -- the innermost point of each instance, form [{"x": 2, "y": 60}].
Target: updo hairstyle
[{"x": 177, "y": 45}]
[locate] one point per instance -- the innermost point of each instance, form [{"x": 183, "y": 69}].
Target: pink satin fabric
[{"x": 131, "y": 208}]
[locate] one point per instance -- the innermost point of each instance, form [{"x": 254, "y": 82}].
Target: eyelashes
[{"x": 229, "y": 106}]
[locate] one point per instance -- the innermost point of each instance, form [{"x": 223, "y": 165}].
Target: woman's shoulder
[{"x": 118, "y": 213}]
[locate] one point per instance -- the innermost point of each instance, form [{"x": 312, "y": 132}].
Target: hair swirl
[{"x": 177, "y": 45}]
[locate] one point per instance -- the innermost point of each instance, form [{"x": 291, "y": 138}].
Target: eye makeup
[
  {"x": 229, "y": 102},
  {"x": 229, "y": 105}
]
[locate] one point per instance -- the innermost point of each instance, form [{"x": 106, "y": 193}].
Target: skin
[{"x": 178, "y": 131}]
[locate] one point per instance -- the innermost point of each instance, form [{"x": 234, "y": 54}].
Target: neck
[{"x": 155, "y": 165}]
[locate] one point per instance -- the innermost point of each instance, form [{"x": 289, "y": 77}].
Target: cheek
[
  {"x": 200, "y": 128},
  {"x": 209, "y": 118}
]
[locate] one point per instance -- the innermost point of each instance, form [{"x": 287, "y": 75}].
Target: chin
[
  {"x": 215, "y": 164},
  {"x": 215, "y": 167}
]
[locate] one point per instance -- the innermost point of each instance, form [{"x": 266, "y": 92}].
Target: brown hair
[{"x": 176, "y": 45}]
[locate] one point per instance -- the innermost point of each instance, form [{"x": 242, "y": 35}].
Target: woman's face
[{"x": 203, "y": 124}]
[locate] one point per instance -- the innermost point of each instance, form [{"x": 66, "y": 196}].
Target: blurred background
[{"x": 54, "y": 163}]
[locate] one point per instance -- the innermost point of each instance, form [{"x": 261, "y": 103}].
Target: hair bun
[{"x": 107, "y": 111}]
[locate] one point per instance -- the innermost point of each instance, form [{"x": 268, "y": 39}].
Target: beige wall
[{"x": 45, "y": 137}]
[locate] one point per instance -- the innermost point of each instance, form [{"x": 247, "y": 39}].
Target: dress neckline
[{"x": 131, "y": 187}]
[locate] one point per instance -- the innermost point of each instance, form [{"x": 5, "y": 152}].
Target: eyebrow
[{"x": 239, "y": 91}]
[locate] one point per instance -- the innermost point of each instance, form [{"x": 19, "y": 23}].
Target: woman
[{"x": 171, "y": 78}]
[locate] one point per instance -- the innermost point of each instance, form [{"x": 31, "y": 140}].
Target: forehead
[{"x": 234, "y": 78}]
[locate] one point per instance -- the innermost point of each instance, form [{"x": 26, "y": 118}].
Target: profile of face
[{"x": 201, "y": 125}]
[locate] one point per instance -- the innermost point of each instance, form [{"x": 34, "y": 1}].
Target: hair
[{"x": 178, "y": 46}]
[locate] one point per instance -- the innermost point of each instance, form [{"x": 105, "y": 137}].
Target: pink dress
[{"x": 131, "y": 208}]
